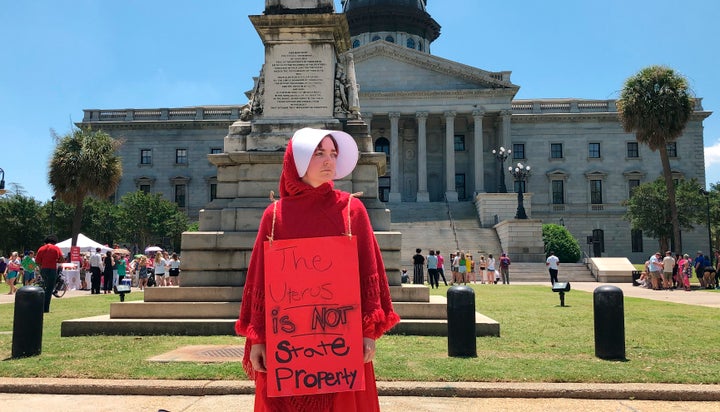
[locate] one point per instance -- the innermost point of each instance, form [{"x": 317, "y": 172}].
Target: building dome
[
  {"x": 405, "y": 22},
  {"x": 355, "y": 4}
]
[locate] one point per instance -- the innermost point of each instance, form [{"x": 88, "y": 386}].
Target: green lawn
[{"x": 540, "y": 341}]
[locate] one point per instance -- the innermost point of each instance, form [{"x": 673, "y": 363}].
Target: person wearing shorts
[
  {"x": 668, "y": 263},
  {"x": 174, "y": 270},
  {"x": 656, "y": 268}
]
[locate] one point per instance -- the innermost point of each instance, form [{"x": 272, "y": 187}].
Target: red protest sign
[
  {"x": 313, "y": 321},
  {"x": 75, "y": 254}
]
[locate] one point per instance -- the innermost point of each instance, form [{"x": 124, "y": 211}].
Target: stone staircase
[
  {"x": 441, "y": 226},
  {"x": 537, "y": 272}
]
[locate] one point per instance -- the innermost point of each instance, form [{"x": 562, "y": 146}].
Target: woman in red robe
[{"x": 311, "y": 207}]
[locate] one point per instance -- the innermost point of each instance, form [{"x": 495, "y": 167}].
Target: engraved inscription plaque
[{"x": 299, "y": 81}]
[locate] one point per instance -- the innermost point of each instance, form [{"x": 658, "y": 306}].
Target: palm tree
[
  {"x": 84, "y": 163},
  {"x": 656, "y": 104}
]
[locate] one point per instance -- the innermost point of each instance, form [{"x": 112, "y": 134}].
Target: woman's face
[{"x": 322, "y": 164}]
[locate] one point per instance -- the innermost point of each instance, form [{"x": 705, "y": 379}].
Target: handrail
[{"x": 452, "y": 224}]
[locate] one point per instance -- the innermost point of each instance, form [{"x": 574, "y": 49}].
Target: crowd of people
[
  {"x": 104, "y": 271},
  {"x": 464, "y": 269},
  {"x": 672, "y": 272}
]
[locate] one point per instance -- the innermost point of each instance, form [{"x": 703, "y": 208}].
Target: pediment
[{"x": 387, "y": 67}]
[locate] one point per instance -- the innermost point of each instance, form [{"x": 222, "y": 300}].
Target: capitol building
[{"x": 439, "y": 123}]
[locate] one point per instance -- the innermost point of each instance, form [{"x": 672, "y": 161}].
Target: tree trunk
[
  {"x": 77, "y": 222},
  {"x": 675, "y": 219}
]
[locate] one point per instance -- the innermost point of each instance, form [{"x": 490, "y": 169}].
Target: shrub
[{"x": 558, "y": 239}]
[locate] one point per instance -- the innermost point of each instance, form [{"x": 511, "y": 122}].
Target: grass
[{"x": 540, "y": 342}]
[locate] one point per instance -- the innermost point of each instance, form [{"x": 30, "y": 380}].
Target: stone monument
[{"x": 305, "y": 81}]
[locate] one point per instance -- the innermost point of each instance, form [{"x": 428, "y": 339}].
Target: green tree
[
  {"x": 21, "y": 227},
  {"x": 559, "y": 240},
  {"x": 648, "y": 209},
  {"x": 57, "y": 218},
  {"x": 147, "y": 219},
  {"x": 656, "y": 105},
  {"x": 101, "y": 219},
  {"x": 84, "y": 162}
]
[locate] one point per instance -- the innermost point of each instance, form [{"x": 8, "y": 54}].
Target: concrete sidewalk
[{"x": 79, "y": 395}]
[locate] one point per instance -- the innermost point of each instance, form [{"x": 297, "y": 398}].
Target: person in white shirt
[
  {"x": 96, "y": 267},
  {"x": 552, "y": 262}
]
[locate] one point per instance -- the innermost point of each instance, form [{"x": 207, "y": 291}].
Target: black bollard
[
  {"x": 28, "y": 322},
  {"x": 461, "y": 321},
  {"x": 609, "y": 323}
]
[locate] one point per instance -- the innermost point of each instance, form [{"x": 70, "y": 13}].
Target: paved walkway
[{"x": 81, "y": 395}]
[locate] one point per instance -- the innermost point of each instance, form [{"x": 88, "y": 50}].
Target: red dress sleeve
[
  {"x": 378, "y": 315},
  {"x": 251, "y": 322}
]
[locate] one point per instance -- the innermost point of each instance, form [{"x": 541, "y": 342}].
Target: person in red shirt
[
  {"x": 310, "y": 207},
  {"x": 48, "y": 257}
]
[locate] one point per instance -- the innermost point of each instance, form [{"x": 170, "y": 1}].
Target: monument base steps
[{"x": 177, "y": 311}]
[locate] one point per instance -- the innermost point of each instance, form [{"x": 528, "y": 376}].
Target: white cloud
[
  {"x": 712, "y": 155},
  {"x": 712, "y": 161}
]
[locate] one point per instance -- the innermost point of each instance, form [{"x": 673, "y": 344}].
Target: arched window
[
  {"x": 376, "y": 38},
  {"x": 390, "y": 39},
  {"x": 356, "y": 44},
  {"x": 382, "y": 145},
  {"x": 420, "y": 46},
  {"x": 411, "y": 43}
]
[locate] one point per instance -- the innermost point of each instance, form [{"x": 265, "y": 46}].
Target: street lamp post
[
  {"x": 52, "y": 215},
  {"x": 520, "y": 173},
  {"x": 707, "y": 200},
  {"x": 501, "y": 155}
]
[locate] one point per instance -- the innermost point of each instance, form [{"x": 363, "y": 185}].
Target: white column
[
  {"x": 479, "y": 150},
  {"x": 395, "y": 196},
  {"x": 507, "y": 143},
  {"x": 450, "y": 193},
  {"x": 422, "y": 194}
]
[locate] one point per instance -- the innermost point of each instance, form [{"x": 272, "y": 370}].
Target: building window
[
  {"x": 596, "y": 192},
  {"x": 632, "y": 184},
  {"x": 181, "y": 156},
  {"x": 145, "y": 188},
  {"x": 181, "y": 195},
  {"x": 216, "y": 150},
  {"x": 411, "y": 43},
  {"x": 633, "y": 149},
  {"x": 390, "y": 39},
  {"x": 636, "y": 240},
  {"x": 382, "y": 145},
  {"x": 145, "y": 156},
  {"x": 356, "y": 44},
  {"x": 460, "y": 185},
  {"x": 518, "y": 151},
  {"x": 459, "y": 142},
  {"x": 375, "y": 38},
  {"x": 384, "y": 189},
  {"x": 556, "y": 150},
  {"x": 558, "y": 192},
  {"x": 594, "y": 150},
  {"x": 672, "y": 149},
  {"x": 213, "y": 191}
]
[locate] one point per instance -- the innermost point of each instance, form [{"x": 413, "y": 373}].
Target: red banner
[
  {"x": 75, "y": 254},
  {"x": 313, "y": 318}
]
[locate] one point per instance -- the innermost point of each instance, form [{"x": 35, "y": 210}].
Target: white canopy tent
[{"x": 85, "y": 243}]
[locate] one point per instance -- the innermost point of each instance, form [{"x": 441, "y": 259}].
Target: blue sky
[{"x": 62, "y": 56}]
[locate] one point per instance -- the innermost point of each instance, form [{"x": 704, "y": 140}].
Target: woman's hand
[
  {"x": 368, "y": 350},
  {"x": 257, "y": 357}
]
